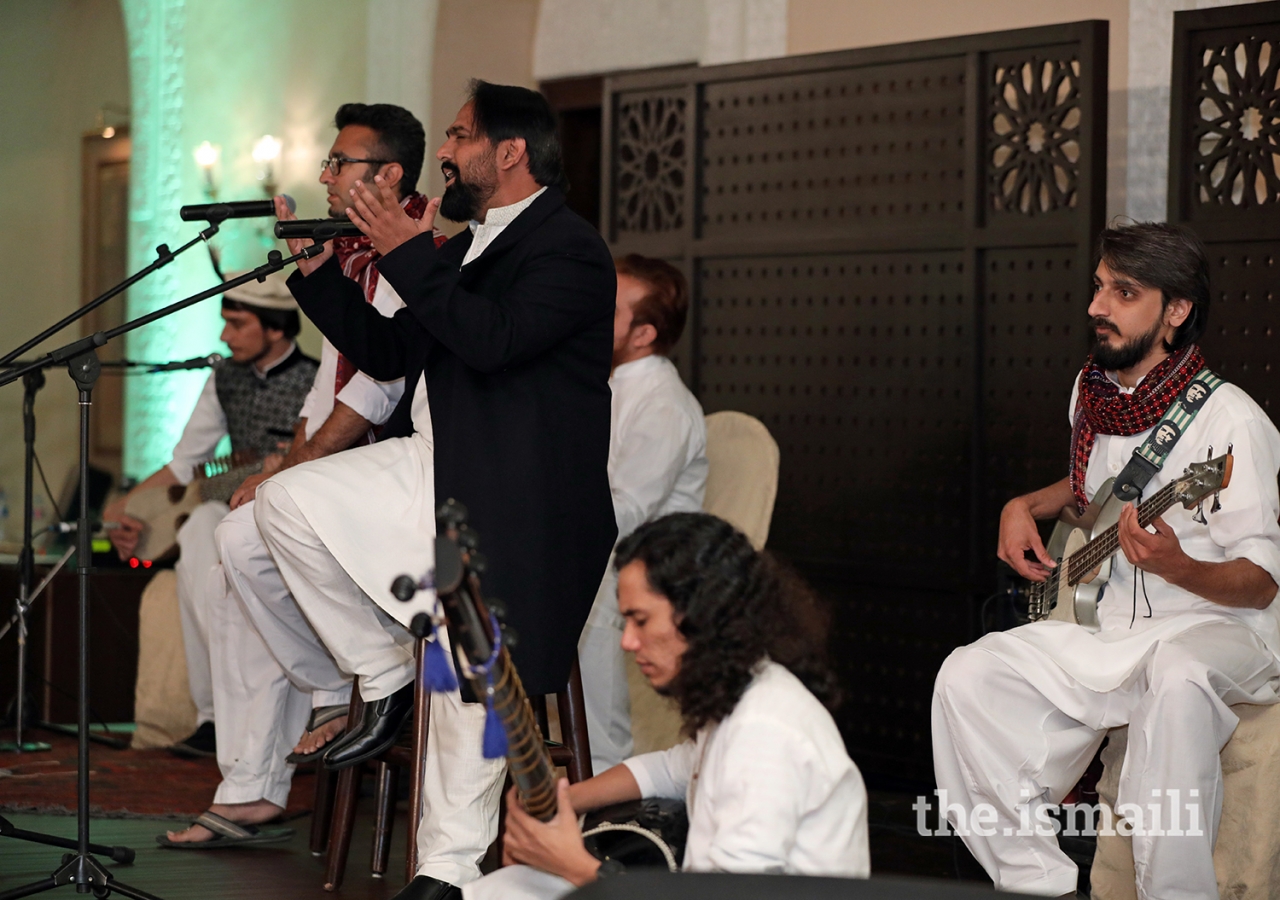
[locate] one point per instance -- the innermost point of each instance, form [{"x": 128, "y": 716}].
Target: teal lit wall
[{"x": 227, "y": 72}]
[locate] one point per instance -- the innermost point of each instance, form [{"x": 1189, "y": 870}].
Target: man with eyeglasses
[{"x": 273, "y": 680}]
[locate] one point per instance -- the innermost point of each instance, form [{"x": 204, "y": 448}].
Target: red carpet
[{"x": 122, "y": 783}]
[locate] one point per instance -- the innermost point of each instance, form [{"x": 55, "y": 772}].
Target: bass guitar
[
  {"x": 637, "y": 834},
  {"x": 1084, "y": 549}
]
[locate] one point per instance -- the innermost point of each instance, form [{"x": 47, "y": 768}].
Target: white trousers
[
  {"x": 269, "y": 667},
  {"x": 198, "y": 555},
  {"x": 517, "y": 883},
  {"x": 461, "y": 790},
  {"x": 1011, "y": 738},
  {"x": 604, "y": 679}
]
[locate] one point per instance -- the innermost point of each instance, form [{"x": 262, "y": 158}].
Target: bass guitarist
[{"x": 1187, "y": 622}]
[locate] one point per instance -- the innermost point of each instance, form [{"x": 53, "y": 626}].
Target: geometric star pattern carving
[
  {"x": 651, "y": 163},
  {"x": 1234, "y": 134},
  {"x": 1035, "y": 136}
]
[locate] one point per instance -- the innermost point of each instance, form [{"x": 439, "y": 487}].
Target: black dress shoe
[
  {"x": 424, "y": 887},
  {"x": 377, "y": 731},
  {"x": 200, "y": 744}
]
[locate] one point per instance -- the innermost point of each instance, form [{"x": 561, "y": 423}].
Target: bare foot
[
  {"x": 254, "y": 813},
  {"x": 313, "y": 740}
]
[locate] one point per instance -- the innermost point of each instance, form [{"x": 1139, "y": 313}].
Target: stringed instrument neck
[{"x": 1104, "y": 545}]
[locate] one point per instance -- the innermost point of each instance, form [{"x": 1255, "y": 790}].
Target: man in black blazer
[{"x": 509, "y": 329}]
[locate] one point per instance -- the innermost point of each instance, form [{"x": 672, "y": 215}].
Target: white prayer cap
[{"x": 270, "y": 294}]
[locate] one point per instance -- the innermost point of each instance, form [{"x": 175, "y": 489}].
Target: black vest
[{"x": 262, "y": 411}]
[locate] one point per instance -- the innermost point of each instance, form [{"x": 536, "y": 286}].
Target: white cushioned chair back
[{"x": 742, "y": 473}]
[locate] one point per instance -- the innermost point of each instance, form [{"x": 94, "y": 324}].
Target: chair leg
[
  {"x": 344, "y": 807},
  {"x": 322, "y": 817},
  {"x": 326, "y": 788},
  {"x": 421, "y": 725},
  {"x": 573, "y": 726},
  {"x": 384, "y": 817},
  {"x": 344, "y": 823}
]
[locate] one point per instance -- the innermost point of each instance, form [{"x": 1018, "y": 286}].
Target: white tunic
[
  {"x": 770, "y": 788},
  {"x": 1244, "y": 528},
  {"x": 657, "y": 466},
  {"x": 374, "y": 400},
  {"x": 657, "y": 444}
]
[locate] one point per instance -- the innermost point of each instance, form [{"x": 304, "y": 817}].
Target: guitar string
[{"x": 1104, "y": 545}]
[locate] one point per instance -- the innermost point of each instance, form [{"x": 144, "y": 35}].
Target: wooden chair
[{"x": 338, "y": 793}]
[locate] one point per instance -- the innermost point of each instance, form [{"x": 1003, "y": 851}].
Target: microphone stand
[
  {"x": 164, "y": 256},
  {"x": 81, "y": 358}
]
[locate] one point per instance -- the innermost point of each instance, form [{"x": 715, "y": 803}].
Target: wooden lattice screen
[
  {"x": 1224, "y": 180},
  {"x": 889, "y": 250}
]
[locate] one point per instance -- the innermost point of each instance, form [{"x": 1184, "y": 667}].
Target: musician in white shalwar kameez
[
  {"x": 766, "y": 779},
  {"x": 253, "y": 399},
  {"x": 657, "y": 465},
  {"x": 271, "y": 673},
  {"x": 1188, "y": 627}
]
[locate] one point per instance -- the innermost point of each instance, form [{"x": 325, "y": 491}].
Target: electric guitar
[
  {"x": 1071, "y": 592},
  {"x": 637, "y": 834}
]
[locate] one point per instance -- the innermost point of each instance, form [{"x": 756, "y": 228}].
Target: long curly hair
[{"x": 734, "y": 606}]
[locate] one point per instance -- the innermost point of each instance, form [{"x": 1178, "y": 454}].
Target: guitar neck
[
  {"x": 527, "y": 757},
  {"x": 1104, "y": 545}
]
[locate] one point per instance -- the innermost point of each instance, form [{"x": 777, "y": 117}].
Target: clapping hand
[{"x": 379, "y": 215}]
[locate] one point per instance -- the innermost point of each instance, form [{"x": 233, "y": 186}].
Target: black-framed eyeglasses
[{"x": 335, "y": 163}]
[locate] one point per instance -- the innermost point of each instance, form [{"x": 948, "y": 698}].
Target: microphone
[
  {"x": 237, "y": 209},
  {"x": 197, "y": 362},
  {"x": 317, "y": 229}
]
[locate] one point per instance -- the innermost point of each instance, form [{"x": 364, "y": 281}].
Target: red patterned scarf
[
  {"x": 1102, "y": 409},
  {"x": 356, "y": 256}
]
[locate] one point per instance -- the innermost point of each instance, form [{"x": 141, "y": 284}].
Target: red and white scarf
[
  {"x": 357, "y": 256},
  {"x": 1102, "y": 409}
]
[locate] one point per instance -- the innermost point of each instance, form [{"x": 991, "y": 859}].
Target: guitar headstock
[
  {"x": 456, "y": 580},
  {"x": 1202, "y": 479}
]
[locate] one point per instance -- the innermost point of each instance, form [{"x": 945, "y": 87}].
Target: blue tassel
[
  {"x": 440, "y": 676},
  {"x": 495, "y": 736}
]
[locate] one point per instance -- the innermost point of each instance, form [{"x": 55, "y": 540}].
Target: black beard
[
  {"x": 461, "y": 201},
  {"x": 1128, "y": 354}
]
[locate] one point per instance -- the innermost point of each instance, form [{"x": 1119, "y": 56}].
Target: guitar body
[
  {"x": 1085, "y": 545},
  {"x": 164, "y": 510},
  {"x": 1078, "y": 603}
]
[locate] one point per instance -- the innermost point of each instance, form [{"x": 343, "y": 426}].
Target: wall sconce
[
  {"x": 265, "y": 153},
  {"x": 207, "y": 156}
]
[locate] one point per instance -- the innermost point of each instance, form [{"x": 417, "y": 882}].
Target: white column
[{"x": 401, "y": 41}]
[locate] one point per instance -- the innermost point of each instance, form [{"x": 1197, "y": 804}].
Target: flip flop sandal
[
  {"x": 226, "y": 834},
  {"x": 321, "y": 715}
]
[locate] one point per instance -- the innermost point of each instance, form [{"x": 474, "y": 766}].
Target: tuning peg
[
  {"x": 451, "y": 514},
  {"x": 468, "y": 539},
  {"x": 1199, "y": 516},
  {"x": 1216, "y": 505},
  {"x": 509, "y": 637},
  {"x": 420, "y": 625},
  {"x": 477, "y": 563},
  {"x": 497, "y": 607},
  {"x": 404, "y": 587}
]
